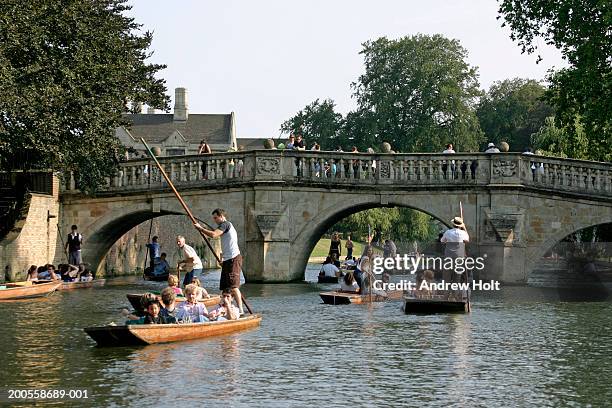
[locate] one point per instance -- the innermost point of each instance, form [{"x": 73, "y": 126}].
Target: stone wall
[
  {"x": 127, "y": 255},
  {"x": 33, "y": 239}
]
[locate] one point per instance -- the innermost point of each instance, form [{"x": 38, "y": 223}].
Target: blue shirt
[{"x": 153, "y": 250}]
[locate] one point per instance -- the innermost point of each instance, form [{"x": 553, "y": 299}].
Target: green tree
[
  {"x": 67, "y": 71},
  {"x": 512, "y": 110},
  {"x": 580, "y": 29},
  {"x": 554, "y": 141},
  {"x": 317, "y": 122},
  {"x": 399, "y": 223},
  {"x": 418, "y": 93}
]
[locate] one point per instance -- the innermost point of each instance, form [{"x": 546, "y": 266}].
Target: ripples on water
[{"x": 520, "y": 347}]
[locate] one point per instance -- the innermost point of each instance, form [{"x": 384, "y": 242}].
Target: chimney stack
[{"x": 180, "y": 105}]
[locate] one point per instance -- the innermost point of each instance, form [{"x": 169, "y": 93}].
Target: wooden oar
[{"x": 187, "y": 210}]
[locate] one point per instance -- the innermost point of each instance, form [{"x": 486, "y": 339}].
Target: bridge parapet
[{"x": 337, "y": 169}]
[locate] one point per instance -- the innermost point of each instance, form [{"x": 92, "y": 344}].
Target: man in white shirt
[
  {"x": 192, "y": 263},
  {"x": 491, "y": 148},
  {"x": 455, "y": 240},
  {"x": 329, "y": 269},
  {"x": 231, "y": 267}
]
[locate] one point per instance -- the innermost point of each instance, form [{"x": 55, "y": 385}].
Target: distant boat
[
  {"x": 156, "y": 278},
  {"x": 134, "y": 299},
  {"x": 345, "y": 298},
  {"x": 143, "y": 334},
  {"x": 25, "y": 290},
  {"x": 327, "y": 279},
  {"x": 435, "y": 305}
]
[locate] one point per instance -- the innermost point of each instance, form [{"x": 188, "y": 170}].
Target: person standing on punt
[
  {"x": 192, "y": 262},
  {"x": 73, "y": 245},
  {"x": 335, "y": 246},
  {"x": 232, "y": 259},
  {"x": 154, "y": 252},
  {"x": 455, "y": 240}
]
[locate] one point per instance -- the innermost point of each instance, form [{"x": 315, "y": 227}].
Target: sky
[{"x": 267, "y": 59}]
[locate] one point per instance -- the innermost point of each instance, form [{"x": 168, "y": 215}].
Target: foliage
[
  {"x": 398, "y": 223},
  {"x": 553, "y": 141},
  {"x": 581, "y": 31},
  {"x": 317, "y": 122},
  {"x": 512, "y": 110},
  {"x": 417, "y": 93},
  {"x": 67, "y": 72}
]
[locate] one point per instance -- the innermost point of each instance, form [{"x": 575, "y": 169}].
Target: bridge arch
[
  {"x": 106, "y": 230},
  {"x": 538, "y": 252},
  {"x": 307, "y": 238}
]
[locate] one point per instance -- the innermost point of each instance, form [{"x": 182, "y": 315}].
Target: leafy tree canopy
[
  {"x": 318, "y": 122},
  {"x": 581, "y": 30},
  {"x": 67, "y": 72},
  {"x": 512, "y": 110},
  {"x": 417, "y": 93}
]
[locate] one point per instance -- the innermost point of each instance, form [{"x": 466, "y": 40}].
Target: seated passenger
[
  {"x": 168, "y": 311},
  {"x": 162, "y": 267},
  {"x": 202, "y": 293},
  {"x": 173, "y": 283},
  {"x": 428, "y": 276},
  {"x": 87, "y": 276},
  {"x": 32, "y": 274},
  {"x": 329, "y": 269},
  {"x": 152, "y": 313},
  {"x": 225, "y": 310},
  {"x": 48, "y": 273},
  {"x": 145, "y": 300},
  {"x": 350, "y": 264},
  {"x": 348, "y": 283},
  {"x": 68, "y": 272},
  {"x": 191, "y": 311}
]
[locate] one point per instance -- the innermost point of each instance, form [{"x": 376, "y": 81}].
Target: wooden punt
[
  {"x": 96, "y": 283},
  {"x": 327, "y": 279},
  {"x": 345, "y": 298},
  {"x": 134, "y": 299},
  {"x": 143, "y": 334},
  {"x": 157, "y": 278},
  {"x": 435, "y": 305},
  {"x": 18, "y": 291}
]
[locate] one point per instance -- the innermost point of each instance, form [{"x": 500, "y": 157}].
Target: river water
[{"x": 519, "y": 347}]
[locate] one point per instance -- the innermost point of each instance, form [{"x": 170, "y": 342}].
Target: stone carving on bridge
[
  {"x": 504, "y": 225},
  {"x": 268, "y": 165},
  {"x": 504, "y": 168},
  {"x": 267, "y": 222},
  {"x": 385, "y": 170}
]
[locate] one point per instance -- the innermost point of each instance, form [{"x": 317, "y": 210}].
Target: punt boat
[
  {"x": 19, "y": 290},
  {"x": 143, "y": 334}
]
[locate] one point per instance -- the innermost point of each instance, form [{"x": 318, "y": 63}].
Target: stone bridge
[{"x": 516, "y": 206}]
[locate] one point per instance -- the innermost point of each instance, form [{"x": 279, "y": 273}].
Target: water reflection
[{"x": 519, "y": 347}]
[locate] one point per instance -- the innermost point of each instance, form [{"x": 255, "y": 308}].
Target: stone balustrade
[{"x": 339, "y": 168}]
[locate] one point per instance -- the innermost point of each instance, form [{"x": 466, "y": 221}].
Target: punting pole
[
  {"x": 187, "y": 210},
  {"x": 466, "y": 273}
]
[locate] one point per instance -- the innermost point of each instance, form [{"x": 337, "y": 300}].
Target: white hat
[{"x": 491, "y": 145}]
